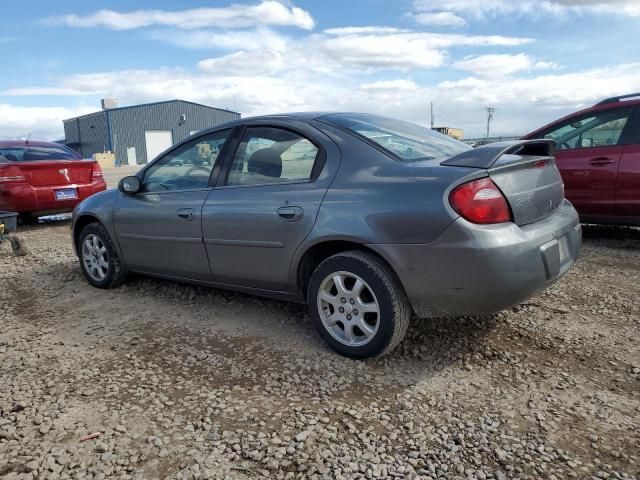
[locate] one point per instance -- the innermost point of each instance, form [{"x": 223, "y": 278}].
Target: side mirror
[
  {"x": 586, "y": 142},
  {"x": 130, "y": 185}
]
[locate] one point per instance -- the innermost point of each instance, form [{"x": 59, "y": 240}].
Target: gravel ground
[{"x": 191, "y": 383}]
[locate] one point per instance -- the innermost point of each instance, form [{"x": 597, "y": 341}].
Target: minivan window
[{"x": 407, "y": 141}]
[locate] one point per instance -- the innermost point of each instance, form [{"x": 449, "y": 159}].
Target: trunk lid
[
  {"x": 57, "y": 172},
  {"x": 525, "y": 172}
]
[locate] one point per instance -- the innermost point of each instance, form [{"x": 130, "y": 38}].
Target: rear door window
[{"x": 269, "y": 155}]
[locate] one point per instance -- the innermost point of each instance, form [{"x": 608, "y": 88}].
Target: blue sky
[{"x": 533, "y": 60}]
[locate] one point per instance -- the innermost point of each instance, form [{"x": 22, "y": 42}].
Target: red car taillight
[
  {"x": 480, "y": 201},
  {"x": 11, "y": 174},
  {"x": 96, "y": 172}
]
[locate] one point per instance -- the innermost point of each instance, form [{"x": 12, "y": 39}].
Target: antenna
[{"x": 490, "y": 111}]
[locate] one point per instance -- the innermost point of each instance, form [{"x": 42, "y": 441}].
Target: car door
[
  {"x": 588, "y": 155},
  {"x": 628, "y": 180},
  {"x": 266, "y": 204},
  {"x": 159, "y": 229}
]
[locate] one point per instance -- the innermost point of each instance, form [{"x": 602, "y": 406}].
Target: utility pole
[
  {"x": 490, "y": 111},
  {"x": 432, "y": 117}
]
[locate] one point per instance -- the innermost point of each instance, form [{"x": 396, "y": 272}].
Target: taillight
[
  {"x": 480, "y": 201},
  {"x": 11, "y": 174},
  {"x": 96, "y": 171}
]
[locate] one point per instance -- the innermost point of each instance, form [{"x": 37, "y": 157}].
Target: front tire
[
  {"x": 99, "y": 259},
  {"x": 358, "y": 305}
]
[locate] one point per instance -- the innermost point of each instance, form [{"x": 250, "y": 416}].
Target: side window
[
  {"x": 599, "y": 129},
  {"x": 188, "y": 167},
  {"x": 269, "y": 155}
]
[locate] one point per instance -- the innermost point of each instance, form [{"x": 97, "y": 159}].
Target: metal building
[{"x": 137, "y": 133}]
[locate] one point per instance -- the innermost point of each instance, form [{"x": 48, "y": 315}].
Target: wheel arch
[
  {"x": 315, "y": 254},
  {"x": 79, "y": 225}
]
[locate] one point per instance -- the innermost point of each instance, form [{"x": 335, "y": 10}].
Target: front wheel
[
  {"x": 98, "y": 258},
  {"x": 358, "y": 305}
]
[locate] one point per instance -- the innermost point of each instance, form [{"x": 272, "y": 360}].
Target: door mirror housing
[
  {"x": 586, "y": 142},
  {"x": 130, "y": 185}
]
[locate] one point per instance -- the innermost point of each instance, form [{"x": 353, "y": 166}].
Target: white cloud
[
  {"x": 473, "y": 9},
  {"x": 440, "y": 19},
  {"x": 40, "y": 122},
  {"x": 499, "y": 65},
  {"x": 267, "y": 12},
  {"x": 44, "y": 91},
  {"x": 259, "y": 38},
  {"x": 522, "y": 104},
  {"x": 355, "y": 48},
  {"x": 397, "y": 85}
]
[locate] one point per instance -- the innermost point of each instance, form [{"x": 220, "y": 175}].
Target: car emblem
[{"x": 65, "y": 173}]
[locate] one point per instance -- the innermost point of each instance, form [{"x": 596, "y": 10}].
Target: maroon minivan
[{"x": 598, "y": 154}]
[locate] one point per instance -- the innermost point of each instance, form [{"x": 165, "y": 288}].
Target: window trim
[
  {"x": 195, "y": 140},
  {"x": 318, "y": 163},
  {"x": 624, "y": 134}
]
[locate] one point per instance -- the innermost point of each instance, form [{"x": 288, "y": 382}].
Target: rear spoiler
[{"x": 487, "y": 155}]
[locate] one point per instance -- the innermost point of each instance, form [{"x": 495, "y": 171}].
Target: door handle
[
  {"x": 290, "y": 214},
  {"x": 186, "y": 213},
  {"x": 601, "y": 161}
]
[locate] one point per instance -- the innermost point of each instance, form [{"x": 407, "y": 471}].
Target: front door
[
  {"x": 588, "y": 156},
  {"x": 254, "y": 221},
  {"x": 160, "y": 229}
]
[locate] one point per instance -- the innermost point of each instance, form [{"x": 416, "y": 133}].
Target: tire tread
[{"x": 399, "y": 301}]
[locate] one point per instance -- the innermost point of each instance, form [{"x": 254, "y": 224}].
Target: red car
[
  {"x": 598, "y": 154},
  {"x": 42, "y": 178}
]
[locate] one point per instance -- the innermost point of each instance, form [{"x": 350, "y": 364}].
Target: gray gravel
[{"x": 190, "y": 383}]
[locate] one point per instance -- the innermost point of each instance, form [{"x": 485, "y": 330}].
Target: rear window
[
  {"x": 33, "y": 153},
  {"x": 406, "y": 141}
]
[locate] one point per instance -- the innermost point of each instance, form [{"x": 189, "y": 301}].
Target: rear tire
[
  {"x": 358, "y": 305},
  {"x": 99, "y": 259}
]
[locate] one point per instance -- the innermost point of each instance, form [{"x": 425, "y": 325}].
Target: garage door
[{"x": 157, "y": 142}]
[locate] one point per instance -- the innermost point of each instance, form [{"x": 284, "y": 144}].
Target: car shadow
[{"x": 611, "y": 236}]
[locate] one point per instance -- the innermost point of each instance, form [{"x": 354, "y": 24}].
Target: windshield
[
  {"x": 407, "y": 141},
  {"x": 33, "y": 153}
]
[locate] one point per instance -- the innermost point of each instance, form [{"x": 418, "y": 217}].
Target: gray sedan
[{"x": 368, "y": 220}]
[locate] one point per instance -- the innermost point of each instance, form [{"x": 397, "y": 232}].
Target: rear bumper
[
  {"x": 479, "y": 269},
  {"x": 24, "y": 198}
]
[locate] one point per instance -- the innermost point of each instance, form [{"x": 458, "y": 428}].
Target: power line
[{"x": 453, "y": 117}]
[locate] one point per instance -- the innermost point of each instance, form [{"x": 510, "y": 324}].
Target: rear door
[
  {"x": 628, "y": 180},
  {"x": 266, "y": 204},
  {"x": 588, "y": 154},
  {"x": 160, "y": 229}
]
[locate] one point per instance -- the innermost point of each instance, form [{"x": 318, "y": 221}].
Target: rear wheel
[
  {"x": 98, "y": 258},
  {"x": 358, "y": 305}
]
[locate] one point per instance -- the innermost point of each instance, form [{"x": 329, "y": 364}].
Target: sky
[{"x": 531, "y": 60}]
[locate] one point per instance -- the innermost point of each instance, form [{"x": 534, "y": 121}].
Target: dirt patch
[{"x": 188, "y": 382}]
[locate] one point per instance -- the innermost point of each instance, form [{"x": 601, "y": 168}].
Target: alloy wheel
[
  {"x": 348, "y": 308},
  {"x": 95, "y": 257}
]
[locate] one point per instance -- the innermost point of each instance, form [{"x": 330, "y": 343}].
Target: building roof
[{"x": 140, "y": 105}]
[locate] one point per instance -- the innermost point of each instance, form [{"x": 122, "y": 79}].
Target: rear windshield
[
  {"x": 33, "y": 153},
  {"x": 407, "y": 141}
]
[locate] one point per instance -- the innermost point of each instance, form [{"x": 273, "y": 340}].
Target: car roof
[{"x": 27, "y": 143}]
